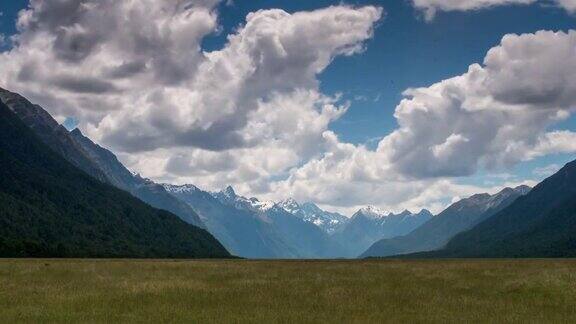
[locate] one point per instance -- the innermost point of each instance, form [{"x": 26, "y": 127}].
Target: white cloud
[
  {"x": 569, "y": 5},
  {"x": 490, "y": 118},
  {"x": 554, "y": 142},
  {"x": 252, "y": 115},
  {"x": 134, "y": 75},
  {"x": 546, "y": 171},
  {"x": 431, "y": 7}
]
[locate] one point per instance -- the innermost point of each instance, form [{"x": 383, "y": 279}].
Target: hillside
[
  {"x": 49, "y": 208},
  {"x": 144, "y": 189},
  {"x": 242, "y": 232},
  {"x": 458, "y": 217},
  {"x": 93, "y": 159},
  {"x": 540, "y": 224}
]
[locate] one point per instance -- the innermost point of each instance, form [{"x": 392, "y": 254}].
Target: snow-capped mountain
[
  {"x": 294, "y": 236},
  {"x": 187, "y": 188},
  {"x": 229, "y": 197},
  {"x": 290, "y": 205},
  {"x": 309, "y": 212},
  {"x": 372, "y": 212},
  {"x": 370, "y": 224},
  {"x": 458, "y": 217}
]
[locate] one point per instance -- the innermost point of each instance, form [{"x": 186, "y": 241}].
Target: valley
[{"x": 222, "y": 161}]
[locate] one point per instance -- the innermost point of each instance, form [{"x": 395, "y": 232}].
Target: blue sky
[{"x": 405, "y": 52}]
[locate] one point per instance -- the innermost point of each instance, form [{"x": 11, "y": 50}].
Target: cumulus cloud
[
  {"x": 134, "y": 74},
  {"x": 431, "y": 7},
  {"x": 569, "y": 5},
  {"x": 251, "y": 114},
  {"x": 493, "y": 116},
  {"x": 490, "y": 118},
  {"x": 547, "y": 171},
  {"x": 554, "y": 142}
]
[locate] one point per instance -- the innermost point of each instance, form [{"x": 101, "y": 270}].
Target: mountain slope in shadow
[{"x": 50, "y": 208}]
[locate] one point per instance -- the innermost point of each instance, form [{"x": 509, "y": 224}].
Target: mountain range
[
  {"x": 329, "y": 222},
  {"x": 255, "y": 229},
  {"x": 243, "y": 232},
  {"x": 61, "y": 194},
  {"x": 252, "y": 228},
  {"x": 458, "y": 217},
  {"x": 246, "y": 226},
  {"x": 370, "y": 224}
]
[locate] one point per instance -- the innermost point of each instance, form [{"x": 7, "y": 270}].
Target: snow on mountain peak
[
  {"x": 229, "y": 197},
  {"x": 261, "y": 205},
  {"x": 290, "y": 205},
  {"x": 180, "y": 189},
  {"x": 373, "y": 212},
  {"x": 309, "y": 212},
  {"x": 229, "y": 192}
]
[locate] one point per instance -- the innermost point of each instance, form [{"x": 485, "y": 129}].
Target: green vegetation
[
  {"x": 521, "y": 291},
  {"x": 540, "y": 224},
  {"x": 50, "y": 208}
]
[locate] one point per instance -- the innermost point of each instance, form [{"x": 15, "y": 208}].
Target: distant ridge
[
  {"x": 311, "y": 213},
  {"x": 540, "y": 224},
  {"x": 458, "y": 217},
  {"x": 242, "y": 232},
  {"x": 256, "y": 229},
  {"x": 369, "y": 225}
]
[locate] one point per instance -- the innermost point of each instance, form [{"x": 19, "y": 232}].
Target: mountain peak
[
  {"x": 523, "y": 189},
  {"x": 229, "y": 197},
  {"x": 291, "y": 201},
  {"x": 406, "y": 212},
  {"x": 77, "y": 132},
  {"x": 290, "y": 205},
  {"x": 425, "y": 212},
  {"x": 478, "y": 198},
  {"x": 229, "y": 192},
  {"x": 504, "y": 194},
  {"x": 311, "y": 207},
  {"x": 372, "y": 212}
]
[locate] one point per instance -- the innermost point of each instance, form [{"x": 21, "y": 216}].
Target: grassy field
[{"x": 520, "y": 291}]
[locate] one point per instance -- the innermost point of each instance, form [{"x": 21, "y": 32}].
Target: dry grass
[{"x": 522, "y": 291}]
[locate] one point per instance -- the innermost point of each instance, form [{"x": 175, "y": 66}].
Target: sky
[{"x": 398, "y": 104}]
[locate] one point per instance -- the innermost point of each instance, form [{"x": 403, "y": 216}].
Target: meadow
[{"x": 242, "y": 291}]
